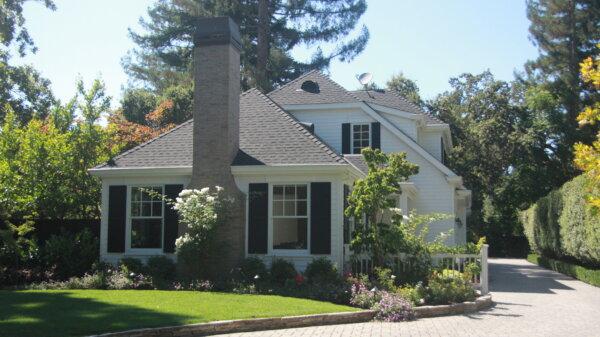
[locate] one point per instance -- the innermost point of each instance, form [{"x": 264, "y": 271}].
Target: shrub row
[
  {"x": 591, "y": 276},
  {"x": 561, "y": 225}
]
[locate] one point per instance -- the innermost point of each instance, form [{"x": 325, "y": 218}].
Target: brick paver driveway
[{"x": 530, "y": 301}]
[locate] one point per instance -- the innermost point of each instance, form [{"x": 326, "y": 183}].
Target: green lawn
[{"x": 84, "y": 312}]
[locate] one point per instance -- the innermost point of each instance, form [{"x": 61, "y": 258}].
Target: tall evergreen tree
[
  {"x": 270, "y": 29},
  {"x": 566, "y": 32}
]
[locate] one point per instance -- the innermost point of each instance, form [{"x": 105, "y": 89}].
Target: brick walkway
[{"x": 530, "y": 301}]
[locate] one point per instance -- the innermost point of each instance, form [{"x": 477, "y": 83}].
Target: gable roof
[
  {"x": 392, "y": 99},
  {"x": 268, "y": 136},
  {"x": 329, "y": 91}
]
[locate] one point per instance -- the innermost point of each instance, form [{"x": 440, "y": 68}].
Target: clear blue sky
[{"x": 430, "y": 41}]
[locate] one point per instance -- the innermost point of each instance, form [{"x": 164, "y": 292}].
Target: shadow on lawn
[{"x": 59, "y": 314}]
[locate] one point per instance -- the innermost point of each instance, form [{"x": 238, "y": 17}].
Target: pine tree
[
  {"x": 566, "y": 32},
  {"x": 270, "y": 29}
]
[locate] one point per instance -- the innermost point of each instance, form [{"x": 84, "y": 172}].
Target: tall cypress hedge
[{"x": 561, "y": 225}]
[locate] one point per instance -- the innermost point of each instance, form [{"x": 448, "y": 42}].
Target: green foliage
[
  {"x": 415, "y": 294},
  {"x": 561, "y": 224},
  {"x": 70, "y": 254},
  {"x": 500, "y": 132},
  {"x": 373, "y": 195},
  {"x": 587, "y": 275},
  {"x": 16, "y": 248},
  {"x": 161, "y": 269},
  {"x": 448, "y": 286},
  {"x": 131, "y": 265},
  {"x": 566, "y": 34},
  {"x": 406, "y": 87},
  {"x": 384, "y": 279},
  {"x": 281, "y": 271},
  {"x": 12, "y": 25},
  {"x": 137, "y": 103},
  {"x": 164, "y": 54},
  {"x": 321, "y": 271},
  {"x": 252, "y": 267},
  {"x": 43, "y": 164}
]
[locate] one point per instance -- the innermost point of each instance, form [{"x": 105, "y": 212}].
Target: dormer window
[{"x": 361, "y": 137}]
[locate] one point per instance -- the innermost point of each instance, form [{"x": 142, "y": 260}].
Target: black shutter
[
  {"x": 346, "y": 218},
  {"x": 345, "y": 138},
  {"x": 376, "y": 135},
  {"x": 171, "y": 219},
  {"x": 258, "y": 218},
  {"x": 320, "y": 218},
  {"x": 117, "y": 205}
]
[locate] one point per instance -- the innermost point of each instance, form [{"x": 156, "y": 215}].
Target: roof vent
[{"x": 310, "y": 86}]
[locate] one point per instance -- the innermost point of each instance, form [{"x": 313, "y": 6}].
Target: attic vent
[{"x": 310, "y": 86}]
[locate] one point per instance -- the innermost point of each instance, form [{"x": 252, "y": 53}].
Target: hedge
[
  {"x": 591, "y": 276},
  {"x": 561, "y": 225}
]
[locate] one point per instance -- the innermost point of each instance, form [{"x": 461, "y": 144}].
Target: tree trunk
[{"x": 263, "y": 45}]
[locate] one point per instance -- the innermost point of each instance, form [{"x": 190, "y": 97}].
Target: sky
[{"x": 429, "y": 41}]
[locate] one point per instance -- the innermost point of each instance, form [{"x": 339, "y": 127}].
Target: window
[
  {"x": 360, "y": 137},
  {"x": 146, "y": 217},
  {"x": 290, "y": 217}
]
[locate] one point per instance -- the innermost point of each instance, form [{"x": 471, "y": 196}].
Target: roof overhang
[
  {"x": 409, "y": 188},
  {"x": 247, "y": 170},
  {"x": 141, "y": 171}
]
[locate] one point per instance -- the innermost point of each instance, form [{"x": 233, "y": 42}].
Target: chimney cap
[{"x": 217, "y": 30}]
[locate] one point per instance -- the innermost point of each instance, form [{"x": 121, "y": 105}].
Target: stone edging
[
  {"x": 481, "y": 302},
  {"x": 257, "y": 324}
]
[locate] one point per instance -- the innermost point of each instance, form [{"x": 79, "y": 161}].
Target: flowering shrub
[
  {"x": 201, "y": 211},
  {"x": 362, "y": 297},
  {"x": 393, "y": 308},
  {"x": 197, "y": 285}
]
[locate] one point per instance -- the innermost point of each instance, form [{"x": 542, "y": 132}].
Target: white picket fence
[{"x": 458, "y": 262}]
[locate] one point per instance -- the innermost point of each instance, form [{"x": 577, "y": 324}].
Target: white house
[{"x": 289, "y": 156}]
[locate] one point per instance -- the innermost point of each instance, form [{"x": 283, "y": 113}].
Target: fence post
[{"x": 484, "y": 270}]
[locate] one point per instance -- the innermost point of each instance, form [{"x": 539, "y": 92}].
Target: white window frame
[
  {"x": 143, "y": 251},
  {"x": 289, "y": 252},
  {"x": 352, "y": 147}
]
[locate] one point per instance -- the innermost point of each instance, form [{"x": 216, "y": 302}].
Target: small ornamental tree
[{"x": 374, "y": 194}]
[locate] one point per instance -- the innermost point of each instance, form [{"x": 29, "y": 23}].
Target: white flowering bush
[{"x": 201, "y": 211}]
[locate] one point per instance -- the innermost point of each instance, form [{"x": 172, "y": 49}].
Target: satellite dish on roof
[{"x": 365, "y": 78}]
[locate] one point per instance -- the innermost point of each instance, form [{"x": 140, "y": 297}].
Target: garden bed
[{"x": 84, "y": 312}]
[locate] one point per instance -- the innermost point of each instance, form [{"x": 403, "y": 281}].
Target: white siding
[
  {"x": 435, "y": 194},
  {"x": 328, "y": 124},
  {"x": 106, "y": 182},
  {"x": 301, "y": 260},
  {"x": 406, "y": 125},
  {"x": 431, "y": 141}
]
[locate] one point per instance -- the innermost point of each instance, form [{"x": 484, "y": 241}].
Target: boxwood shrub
[
  {"x": 561, "y": 225},
  {"x": 587, "y": 275}
]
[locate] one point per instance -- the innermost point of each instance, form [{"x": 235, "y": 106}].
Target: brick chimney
[{"x": 216, "y": 126}]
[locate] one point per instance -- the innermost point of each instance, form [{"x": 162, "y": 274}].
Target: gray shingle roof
[
  {"x": 394, "y": 100},
  {"x": 331, "y": 92},
  {"x": 268, "y": 136},
  {"x": 358, "y": 161}
]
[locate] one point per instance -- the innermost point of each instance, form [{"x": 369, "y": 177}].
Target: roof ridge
[
  {"x": 316, "y": 139},
  {"x": 140, "y": 146}
]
